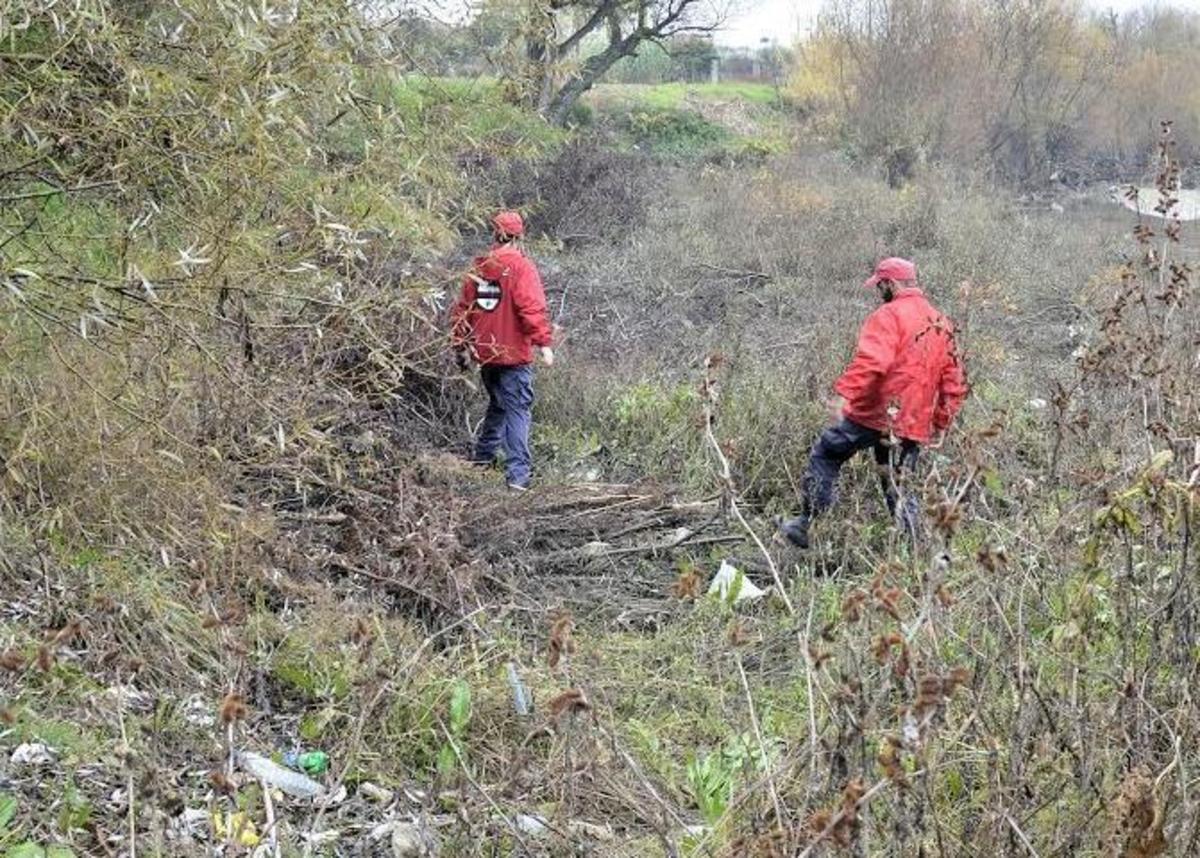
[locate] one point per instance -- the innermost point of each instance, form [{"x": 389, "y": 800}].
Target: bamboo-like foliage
[{"x": 212, "y": 216}]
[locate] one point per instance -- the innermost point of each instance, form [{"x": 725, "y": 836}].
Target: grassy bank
[{"x": 719, "y": 123}]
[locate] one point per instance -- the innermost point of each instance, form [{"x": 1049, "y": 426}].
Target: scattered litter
[
  {"x": 197, "y": 711},
  {"x": 412, "y": 840},
  {"x": 291, "y": 782},
  {"x": 381, "y": 830},
  {"x": 376, "y": 793},
  {"x": 32, "y": 754},
  {"x": 529, "y": 824},
  {"x": 310, "y": 762},
  {"x": 594, "y": 549},
  {"x": 322, "y": 838},
  {"x": 521, "y": 700},
  {"x": 731, "y": 584},
  {"x": 1038, "y": 404},
  {"x": 128, "y": 697},
  {"x": 590, "y": 829},
  {"x": 415, "y": 796},
  {"x": 191, "y": 824},
  {"x": 240, "y": 827},
  {"x": 331, "y": 799}
]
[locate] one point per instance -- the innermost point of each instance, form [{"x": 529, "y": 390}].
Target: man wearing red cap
[
  {"x": 498, "y": 320},
  {"x": 904, "y": 385}
]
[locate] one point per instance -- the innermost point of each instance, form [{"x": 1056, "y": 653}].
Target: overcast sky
[{"x": 786, "y": 19}]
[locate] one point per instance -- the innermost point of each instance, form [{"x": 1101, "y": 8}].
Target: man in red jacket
[
  {"x": 904, "y": 385},
  {"x": 498, "y": 320}
]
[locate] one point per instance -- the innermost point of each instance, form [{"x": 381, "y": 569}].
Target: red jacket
[
  {"x": 502, "y": 313},
  {"x": 906, "y": 376}
]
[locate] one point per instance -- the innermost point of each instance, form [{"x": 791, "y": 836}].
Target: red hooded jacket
[
  {"x": 905, "y": 376},
  {"x": 502, "y": 313}
]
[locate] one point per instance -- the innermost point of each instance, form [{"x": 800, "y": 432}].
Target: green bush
[{"x": 673, "y": 132}]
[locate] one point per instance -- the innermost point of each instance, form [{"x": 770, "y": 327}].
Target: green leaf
[
  {"x": 313, "y": 725},
  {"x": 1130, "y": 521},
  {"x": 28, "y": 849},
  {"x": 1067, "y": 631},
  {"x": 59, "y": 852},
  {"x": 8, "y": 809},
  {"x": 954, "y": 783},
  {"x": 460, "y": 708},
  {"x": 75, "y": 811},
  {"x": 447, "y": 761},
  {"x": 1160, "y": 461},
  {"x": 735, "y": 588}
]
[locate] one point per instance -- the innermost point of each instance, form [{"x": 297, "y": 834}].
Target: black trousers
[{"x": 836, "y": 446}]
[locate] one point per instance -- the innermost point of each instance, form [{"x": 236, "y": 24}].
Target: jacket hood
[{"x": 498, "y": 261}]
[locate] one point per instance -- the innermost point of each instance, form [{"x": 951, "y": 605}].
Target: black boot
[{"x": 795, "y": 531}]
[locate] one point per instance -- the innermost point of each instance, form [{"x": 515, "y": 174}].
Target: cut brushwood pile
[{"x": 599, "y": 546}]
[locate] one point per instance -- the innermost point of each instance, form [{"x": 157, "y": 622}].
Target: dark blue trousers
[
  {"x": 506, "y": 424},
  {"x": 836, "y": 446}
]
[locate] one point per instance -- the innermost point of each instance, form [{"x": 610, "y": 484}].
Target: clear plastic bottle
[
  {"x": 521, "y": 699},
  {"x": 291, "y": 782}
]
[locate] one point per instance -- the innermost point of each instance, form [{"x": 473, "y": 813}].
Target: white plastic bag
[{"x": 731, "y": 580}]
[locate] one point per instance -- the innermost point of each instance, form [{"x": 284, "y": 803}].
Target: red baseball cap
[
  {"x": 509, "y": 223},
  {"x": 892, "y": 268}
]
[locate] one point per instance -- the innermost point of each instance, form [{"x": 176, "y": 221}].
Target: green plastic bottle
[{"x": 310, "y": 762}]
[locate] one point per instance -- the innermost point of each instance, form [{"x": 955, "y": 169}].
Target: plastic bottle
[
  {"x": 291, "y": 782},
  {"x": 312, "y": 762},
  {"x": 521, "y": 702}
]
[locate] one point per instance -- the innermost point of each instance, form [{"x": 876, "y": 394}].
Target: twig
[
  {"x": 762, "y": 746},
  {"x": 808, "y": 679},
  {"x": 33, "y": 195},
  {"x": 269, "y": 805},
  {"x": 467, "y": 774},
  {"x": 637, "y": 773},
  {"x": 733, "y": 272},
  {"x": 360, "y": 725},
  {"x": 660, "y": 546},
  {"x": 129, "y": 789},
  {"x": 837, "y": 818},
  {"x": 232, "y": 805},
  {"x": 731, "y": 498},
  {"x": 1021, "y": 835}
]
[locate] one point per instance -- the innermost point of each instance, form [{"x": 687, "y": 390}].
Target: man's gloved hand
[
  {"x": 462, "y": 359},
  {"x": 547, "y": 356}
]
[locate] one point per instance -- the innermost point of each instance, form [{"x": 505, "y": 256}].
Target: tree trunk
[
  {"x": 592, "y": 70},
  {"x": 540, "y": 55}
]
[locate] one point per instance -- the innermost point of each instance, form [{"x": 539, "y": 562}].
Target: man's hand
[
  {"x": 837, "y": 409},
  {"x": 547, "y": 356},
  {"x": 462, "y": 359}
]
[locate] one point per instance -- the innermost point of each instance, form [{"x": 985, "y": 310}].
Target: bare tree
[
  {"x": 1003, "y": 82},
  {"x": 554, "y": 86}
]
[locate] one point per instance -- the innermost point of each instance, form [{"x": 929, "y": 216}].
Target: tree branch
[
  {"x": 595, "y": 20},
  {"x": 655, "y": 20}
]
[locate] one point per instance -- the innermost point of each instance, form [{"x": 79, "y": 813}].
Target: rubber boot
[{"x": 795, "y": 531}]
